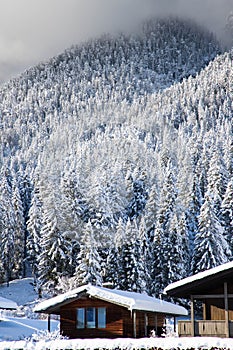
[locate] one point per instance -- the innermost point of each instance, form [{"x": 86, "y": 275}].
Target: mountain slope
[
  {"x": 112, "y": 68},
  {"x": 110, "y": 150}
]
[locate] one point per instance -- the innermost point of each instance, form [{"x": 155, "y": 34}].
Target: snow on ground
[
  {"x": 13, "y": 327},
  {"x": 7, "y": 304},
  {"x": 21, "y": 291},
  {"x": 124, "y": 344},
  {"x": 16, "y": 328}
]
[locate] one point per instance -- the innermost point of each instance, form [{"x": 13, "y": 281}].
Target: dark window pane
[
  {"x": 90, "y": 317},
  {"x": 80, "y": 318},
  {"x": 101, "y": 317}
]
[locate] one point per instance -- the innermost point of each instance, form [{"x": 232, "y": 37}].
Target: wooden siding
[
  {"x": 119, "y": 321},
  {"x": 214, "y": 308}
]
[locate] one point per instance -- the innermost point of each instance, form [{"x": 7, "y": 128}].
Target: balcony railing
[{"x": 205, "y": 328}]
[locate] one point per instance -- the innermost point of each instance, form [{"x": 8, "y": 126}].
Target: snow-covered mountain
[{"x": 117, "y": 161}]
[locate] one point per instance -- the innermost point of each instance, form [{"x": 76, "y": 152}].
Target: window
[
  {"x": 101, "y": 317},
  {"x": 80, "y": 318},
  {"x": 91, "y": 317}
]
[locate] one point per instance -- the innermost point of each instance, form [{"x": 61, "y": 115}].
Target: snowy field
[
  {"x": 22, "y": 323},
  {"x": 124, "y": 344},
  {"x": 21, "y": 329},
  {"x": 16, "y": 328}
]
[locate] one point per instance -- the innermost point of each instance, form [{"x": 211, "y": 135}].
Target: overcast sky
[{"x": 34, "y": 30}]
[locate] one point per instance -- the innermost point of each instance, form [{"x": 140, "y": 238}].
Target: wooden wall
[
  {"x": 214, "y": 307},
  {"x": 114, "y": 320}
]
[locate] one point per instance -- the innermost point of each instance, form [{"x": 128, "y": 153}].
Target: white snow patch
[
  {"x": 21, "y": 291},
  {"x": 16, "y": 328},
  {"x": 7, "y": 304}
]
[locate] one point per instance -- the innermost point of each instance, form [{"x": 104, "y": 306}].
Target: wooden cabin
[
  {"x": 97, "y": 312},
  {"x": 214, "y": 288}
]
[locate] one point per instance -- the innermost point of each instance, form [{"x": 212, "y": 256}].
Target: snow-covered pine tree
[
  {"x": 34, "y": 224},
  {"x": 210, "y": 247},
  {"x": 227, "y": 215},
  {"x": 25, "y": 190},
  {"x": 19, "y": 232},
  {"x": 7, "y": 223},
  {"x": 216, "y": 179},
  {"x": 132, "y": 275},
  {"x": 151, "y": 212},
  {"x": 145, "y": 247},
  {"x": 174, "y": 253},
  {"x": 54, "y": 258},
  {"x": 228, "y": 145},
  {"x": 165, "y": 212},
  {"x": 186, "y": 252},
  {"x": 114, "y": 266},
  {"x": 139, "y": 194},
  {"x": 88, "y": 268},
  {"x": 193, "y": 211},
  {"x": 74, "y": 214}
]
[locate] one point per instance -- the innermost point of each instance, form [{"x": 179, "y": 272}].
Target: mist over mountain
[
  {"x": 120, "y": 150},
  {"x": 31, "y": 32}
]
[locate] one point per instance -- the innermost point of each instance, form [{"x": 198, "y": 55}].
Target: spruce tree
[
  {"x": 132, "y": 275},
  {"x": 88, "y": 268},
  {"x": 54, "y": 259},
  {"x": 19, "y": 233},
  {"x": 7, "y": 223},
  {"x": 227, "y": 214},
  {"x": 145, "y": 246},
  {"x": 210, "y": 247},
  {"x": 151, "y": 210},
  {"x": 161, "y": 239},
  {"x": 34, "y": 224}
]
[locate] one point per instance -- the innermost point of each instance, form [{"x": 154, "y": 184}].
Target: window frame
[{"x": 98, "y": 321}]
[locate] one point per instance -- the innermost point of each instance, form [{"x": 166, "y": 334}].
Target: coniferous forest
[{"x": 116, "y": 162}]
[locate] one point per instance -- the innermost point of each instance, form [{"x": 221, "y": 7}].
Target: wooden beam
[
  {"x": 226, "y": 310},
  {"x": 192, "y": 317},
  {"x": 145, "y": 323},
  {"x": 134, "y": 324},
  {"x": 49, "y": 322},
  {"x": 211, "y": 296},
  {"x": 174, "y": 320},
  {"x": 204, "y": 310},
  {"x": 156, "y": 324}
]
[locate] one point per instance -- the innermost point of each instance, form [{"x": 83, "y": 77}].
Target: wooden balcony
[{"x": 205, "y": 329}]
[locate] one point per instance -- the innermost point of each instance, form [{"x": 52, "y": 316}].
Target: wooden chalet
[
  {"x": 214, "y": 288},
  {"x": 97, "y": 312}
]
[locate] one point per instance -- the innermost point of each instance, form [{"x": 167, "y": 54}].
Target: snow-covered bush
[{"x": 46, "y": 335}]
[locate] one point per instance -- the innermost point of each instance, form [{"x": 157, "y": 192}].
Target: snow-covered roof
[
  {"x": 7, "y": 304},
  {"x": 224, "y": 268},
  {"x": 129, "y": 300}
]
